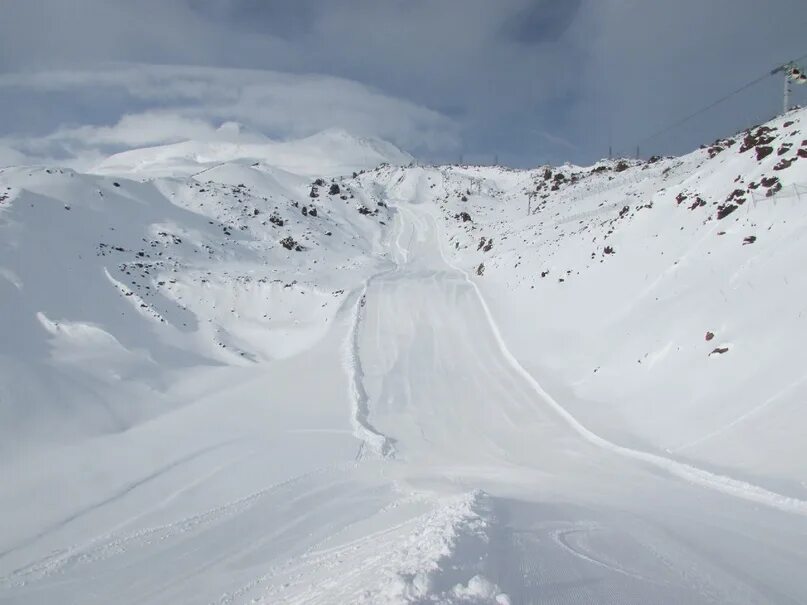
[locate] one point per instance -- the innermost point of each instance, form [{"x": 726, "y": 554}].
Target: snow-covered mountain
[
  {"x": 240, "y": 370},
  {"x": 332, "y": 152},
  {"x": 663, "y": 299}
]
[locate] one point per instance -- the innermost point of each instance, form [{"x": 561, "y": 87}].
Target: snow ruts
[{"x": 378, "y": 444}]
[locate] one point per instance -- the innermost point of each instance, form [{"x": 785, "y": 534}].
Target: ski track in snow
[
  {"x": 114, "y": 497},
  {"x": 728, "y": 485},
  {"x": 104, "y": 547},
  {"x": 392, "y": 565},
  {"x": 378, "y": 444},
  {"x": 561, "y": 537},
  {"x": 744, "y": 417}
]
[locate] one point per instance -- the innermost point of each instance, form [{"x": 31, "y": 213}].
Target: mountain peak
[{"x": 331, "y": 152}]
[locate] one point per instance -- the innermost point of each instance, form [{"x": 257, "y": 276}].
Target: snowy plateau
[{"x": 316, "y": 371}]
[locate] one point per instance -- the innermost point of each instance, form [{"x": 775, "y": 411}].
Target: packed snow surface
[{"x": 272, "y": 372}]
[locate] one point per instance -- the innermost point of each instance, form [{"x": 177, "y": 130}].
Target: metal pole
[{"x": 787, "y": 92}]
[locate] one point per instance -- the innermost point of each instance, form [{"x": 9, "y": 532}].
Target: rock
[
  {"x": 784, "y": 163},
  {"x": 738, "y": 195},
  {"x": 724, "y": 210},
  {"x": 289, "y": 244},
  {"x": 697, "y": 203},
  {"x": 756, "y": 139},
  {"x": 763, "y": 151}
]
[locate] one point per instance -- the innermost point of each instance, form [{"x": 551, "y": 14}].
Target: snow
[
  {"x": 332, "y": 152},
  {"x": 628, "y": 329},
  {"x": 222, "y": 383}
]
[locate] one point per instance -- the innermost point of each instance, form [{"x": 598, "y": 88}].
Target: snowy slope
[
  {"x": 237, "y": 372},
  {"x": 625, "y": 283},
  {"x": 111, "y": 284},
  {"x": 332, "y": 152}
]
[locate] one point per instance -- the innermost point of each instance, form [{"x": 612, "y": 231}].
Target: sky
[{"x": 524, "y": 82}]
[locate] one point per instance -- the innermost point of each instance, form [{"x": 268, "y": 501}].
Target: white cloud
[
  {"x": 192, "y": 102},
  {"x": 593, "y": 72},
  {"x": 11, "y": 157},
  {"x": 140, "y": 130}
]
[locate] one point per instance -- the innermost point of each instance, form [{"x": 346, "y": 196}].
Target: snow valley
[{"x": 318, "y": 372}]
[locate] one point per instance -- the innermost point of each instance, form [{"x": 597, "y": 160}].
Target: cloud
[
  {"x": 11, "y": 157},
  {"x": 558, "y": 141},
  {"x": 486, "y": 76},
  {"x": 192, "y": 102},
  {"x": 139, "y": 130},
  {"x": 651, "y": 63}
]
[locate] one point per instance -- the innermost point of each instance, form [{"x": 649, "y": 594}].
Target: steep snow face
[
  {"x": 228, "y": 376},
  {"x": 110, "y": 285},
  {"x": 662, "y": 301},
  {"x": 329, "y": 153}
]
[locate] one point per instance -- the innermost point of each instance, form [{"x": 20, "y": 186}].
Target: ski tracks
[
  {"x": 421, "y": 559},
  {"x": 692, "y": 474},
  {"x": 113, "y": 544},
  {"x": 372, "y": 441}
]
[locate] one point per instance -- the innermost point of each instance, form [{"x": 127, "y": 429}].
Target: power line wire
[
  {"x": 722, "y": 99},
  {"x": 704, "y": 110}
]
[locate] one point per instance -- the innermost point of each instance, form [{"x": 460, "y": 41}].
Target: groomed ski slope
[
  {"x": 376, "y": 437},
  {"x": 493, "y": 493}
]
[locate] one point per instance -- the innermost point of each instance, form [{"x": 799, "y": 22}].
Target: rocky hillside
[
  {"x": 112, "y": 284},
  {"x": 662, "y": 300}
]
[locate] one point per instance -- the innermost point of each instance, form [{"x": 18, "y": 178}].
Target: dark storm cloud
[
  {"x": 543, "y": 21},
  {"x": 529, "y": 80}
]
